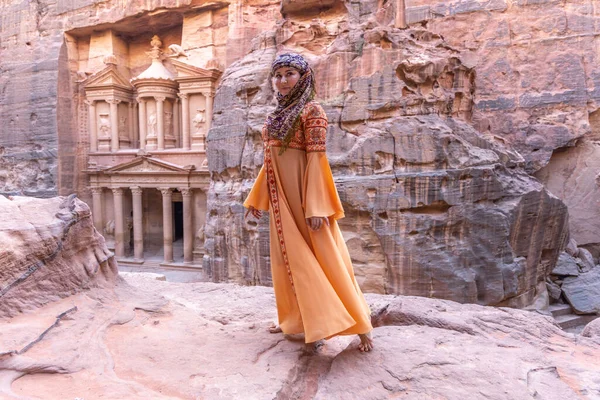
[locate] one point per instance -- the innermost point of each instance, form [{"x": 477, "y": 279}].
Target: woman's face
[{"x": 285, "y": 78}]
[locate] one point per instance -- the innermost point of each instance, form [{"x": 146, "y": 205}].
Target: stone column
[
  {"x": 185, "y": 120},
  {"x": 136, "y": 125},
  {"x": 160, "y": 121},
  {"x": 130, "y": 132},
  {"x": 119, "y": 222},
  {"x": 188, "y": 233},
  {"x": 167, "y": 200},
  {"x": 143, "y": 122},
  {"x": 176, "y": 131},
  {"x": 400, "y": 21},
  {"x": 93, "y": 125},
  {"x": 138, "y": 228},
  {"x": 97, "y": 209},
  {"x": 209, "y": 114},
  {"x": 114, "y": 124}
]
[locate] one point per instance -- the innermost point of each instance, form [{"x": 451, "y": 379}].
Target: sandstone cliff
[{"x": 434, "y": 207}]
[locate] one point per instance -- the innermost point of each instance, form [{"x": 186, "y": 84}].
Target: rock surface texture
[
  {"x": 50, "y": 250},
  {"x": 537, "y": 86},
  {"x": 433, "y": 128},
  {"x": 433, "y": 207},
  {"x": 147, "y": 339}
]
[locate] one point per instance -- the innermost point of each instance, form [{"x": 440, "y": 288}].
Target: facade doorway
[{"x": 177, "y": 220}]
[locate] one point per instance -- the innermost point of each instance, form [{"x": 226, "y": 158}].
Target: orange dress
[{"x": 315, "y": 289}]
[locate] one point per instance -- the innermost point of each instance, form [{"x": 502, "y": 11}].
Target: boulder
[
  {"x": 50, "y": 249},
  {"x": 554, "y": 290},
  {"x": 568, "y": 265},
  {"x": 583, "y": 291},
  {"x": 587, "y": 260},
  {"x": 592, "y": 329},
  {"x": 572, "y": 248}
]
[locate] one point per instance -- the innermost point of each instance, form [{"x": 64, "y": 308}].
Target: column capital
[
  {"x": 166, "y": 191},
  {"x": 136, "y": 190},
  {"x": 140, "y": 99},
  {"x": 160, "y": 99},
  {"x": 117, "y": 191},
  {"x": 182, "y": 96},
  {"x": 208, "y": 94},
  {"x": 96, "y": 190},
  {"x": 113, "y": 101},
  {"x": 186, "y": 191},
  {"x": 91, "y": 103}
]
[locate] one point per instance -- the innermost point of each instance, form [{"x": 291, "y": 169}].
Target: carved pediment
[
  {"x": 108, "y": 77},
  {"x": 189, "y": 72},
  {"x": 147, "y": 165}
]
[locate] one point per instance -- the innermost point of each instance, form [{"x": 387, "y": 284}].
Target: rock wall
[
  {"x": 538, "y": 87},
  {"x": 434, "y": 207},
  {"x": 29, "y": 44}
]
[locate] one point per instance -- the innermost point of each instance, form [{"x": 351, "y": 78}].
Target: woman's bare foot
[
  {"x": 314, "y": 347},
  {"x": 366, "y": 342},
  {"x": 275, "y": 329}
]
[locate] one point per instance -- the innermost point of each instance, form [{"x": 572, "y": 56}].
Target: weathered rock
[
  {"x": 571, "y": 175},
  {"x": 304, "y": 7},
  {"x": 536, "y": 108},
  {"x": 586, "y": 259},
  {"x": 542, "y": 98},
  {"x": 441, "y": 209},
  {"x": 568, "y": 266},
  {"x": 572, "y": 248},
  {"x": 373, "y": 79},
  {"x": 592, "y": 330},
  {"x": 554, "y": 290},
  {"x": 583, "y": 292},
  {"x": 162, "y": 340},
  {"x": 50, "y": 250}
]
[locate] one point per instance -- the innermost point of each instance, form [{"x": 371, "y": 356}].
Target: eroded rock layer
[
  {"x": 50, "y": 250},
  {"x": 433, "y": 207}
]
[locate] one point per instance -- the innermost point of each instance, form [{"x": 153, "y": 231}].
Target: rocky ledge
[
  {"x": 49, "y": 249},
  {"x": 150, "y": 339}
]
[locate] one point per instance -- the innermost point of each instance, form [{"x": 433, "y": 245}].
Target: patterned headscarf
[{"x": 281, "y": 123}]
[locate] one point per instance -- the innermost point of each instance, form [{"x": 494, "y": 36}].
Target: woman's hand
[
  {"x": 255, "y": 213},
  {"x": 315, "y": 223}
]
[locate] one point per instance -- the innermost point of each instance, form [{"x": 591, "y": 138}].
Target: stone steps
[
  {"x": 565, "y": 317},
  {"x": 558, "y": 310}
]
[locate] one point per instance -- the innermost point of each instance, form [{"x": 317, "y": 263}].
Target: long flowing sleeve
[
  {"x": 320, "y": 198},
  {"x": 259, "y": 194}
]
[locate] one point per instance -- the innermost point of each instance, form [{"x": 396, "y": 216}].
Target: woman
[{"x": 315, "y": 289}]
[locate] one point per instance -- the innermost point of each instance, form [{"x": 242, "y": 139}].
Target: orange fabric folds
[
  {"x": 321, "y": 198},
  {"x": 315, "y": 289},
  {"x": 258, "y": 196}
]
